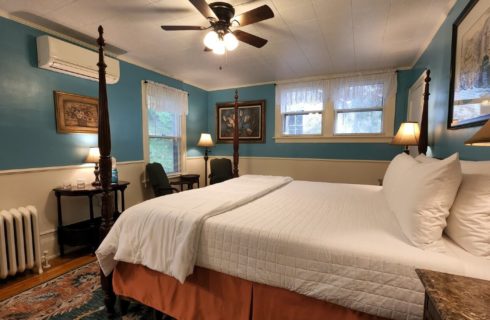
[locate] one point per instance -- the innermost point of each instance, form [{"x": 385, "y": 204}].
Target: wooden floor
[{"x": 60, "y": 265}]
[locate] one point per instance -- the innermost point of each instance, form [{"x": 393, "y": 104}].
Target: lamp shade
[
  {"x": 408, "y": 134},
  {"x": 93, "y": 155},
  {"x": 481, "y": 137},
  {"x": 205, "y": 140}
]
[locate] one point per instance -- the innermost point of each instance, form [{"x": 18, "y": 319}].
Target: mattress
[{"x": 335, "y": 242}]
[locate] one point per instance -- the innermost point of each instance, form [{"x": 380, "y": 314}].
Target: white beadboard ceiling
[{"x": 307, "y": 38}]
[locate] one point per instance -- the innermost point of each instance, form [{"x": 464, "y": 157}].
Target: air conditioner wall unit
[{"x": 60, "y": 56}]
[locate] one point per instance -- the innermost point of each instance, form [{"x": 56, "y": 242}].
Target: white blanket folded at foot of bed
[{"x": 163, "y": 233}]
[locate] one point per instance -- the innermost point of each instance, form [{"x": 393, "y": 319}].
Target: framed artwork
[
  {"x": 76, "y": 113},
  {"x": 251, "y": 121},
  {"x": 469, "y": 92}
]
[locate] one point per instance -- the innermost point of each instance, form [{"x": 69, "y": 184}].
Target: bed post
[
  {"x": 424, "y": 122},
  {"x": 235, "y": 137},
  {"x": 107, "y": 208}
]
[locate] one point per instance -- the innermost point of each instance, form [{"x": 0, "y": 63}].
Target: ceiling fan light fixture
[
  {"x": 211, "y": 39},
  {"x": 231, "y": 42},
  {"x": 219, "y": 48}
]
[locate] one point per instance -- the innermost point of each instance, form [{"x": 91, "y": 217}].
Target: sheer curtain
[
  {"x": 162, "y": 98},
  {"x": 363, "y": 91},
  {"x": 303, "y": 96}
]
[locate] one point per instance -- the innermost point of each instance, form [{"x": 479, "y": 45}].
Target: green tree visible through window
[{"x": 164, "y": 139}]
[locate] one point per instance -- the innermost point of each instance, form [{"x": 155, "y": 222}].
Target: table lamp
[
  {"x": 407, "y": 135},
  {"x": 94, "y": 157},
  {"x": 481, "y": 137},
  {"x": 205, "y": 141}
]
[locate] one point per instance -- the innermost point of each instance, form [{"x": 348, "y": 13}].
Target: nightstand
[
  {"x": 449, "y": 296},
  {"x": 186, "y": 179},
  {"x": 87, "y": 231}
]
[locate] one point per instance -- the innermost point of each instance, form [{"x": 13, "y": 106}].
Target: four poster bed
[{"x": 261, "y": 247}]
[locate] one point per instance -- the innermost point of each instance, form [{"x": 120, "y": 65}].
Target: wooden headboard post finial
[
  {"x": 424, "y": 122},
  {"x": 105, "y": 163},
  {"x": 235, "y": 137}
]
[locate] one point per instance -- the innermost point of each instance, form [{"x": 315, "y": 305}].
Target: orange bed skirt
[{"x": 208, "y": 294}]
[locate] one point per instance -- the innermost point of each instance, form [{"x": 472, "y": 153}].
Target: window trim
[
  {"x": 146, "y": 136},
  {"x": 328, "y": 125}
]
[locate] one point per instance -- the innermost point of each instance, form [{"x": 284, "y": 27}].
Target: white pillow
[
  {"x": 467, "y": 167},
  {"x": 420, "y": 195},
  {"x": 475, "y": 167},
  {"x": 469, "y": 222}
]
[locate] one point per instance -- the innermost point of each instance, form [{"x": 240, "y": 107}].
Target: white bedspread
[
  {"x": 334, "y": 242},
  {"x": 163, "y": 233}
]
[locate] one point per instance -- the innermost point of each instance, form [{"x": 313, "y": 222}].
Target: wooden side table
[
  {"x": 186, "y": 179},
  {"x": 449, "y": 296},
  {"x": 85, "y": 232}
]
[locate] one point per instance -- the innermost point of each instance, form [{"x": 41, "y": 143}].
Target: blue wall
[
  {"x": 370, "y": 151},
  {"x": 437, "y": 58},
  {"x": 27, "y": 118}
]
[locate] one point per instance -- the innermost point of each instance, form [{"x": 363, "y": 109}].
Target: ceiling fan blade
[
  {"x": 177, "y": 28},
  {"x": 206, "y": 49},
  {"x": 203, "y": 7},
  {"x": 250, "y": 38},
  {"x": 255, "y": 15}
]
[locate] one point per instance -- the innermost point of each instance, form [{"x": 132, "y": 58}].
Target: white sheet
[
  {"x": 334, "y": 242},
  {"x": 163, "y": 233}
]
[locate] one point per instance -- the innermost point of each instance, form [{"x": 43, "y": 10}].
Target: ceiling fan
[{"x": 221, "y": 16}]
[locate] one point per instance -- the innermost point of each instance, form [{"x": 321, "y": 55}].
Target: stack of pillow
[{"x": 429, "y": 196}]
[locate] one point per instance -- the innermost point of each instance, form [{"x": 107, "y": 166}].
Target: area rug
[{"x": 74, "y": 295}]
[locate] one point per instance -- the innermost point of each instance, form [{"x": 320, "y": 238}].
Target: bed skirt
[{"x": 208, "y": 294}]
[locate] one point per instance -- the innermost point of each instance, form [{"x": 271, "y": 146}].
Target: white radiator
[{"x": 19, "y": 241}]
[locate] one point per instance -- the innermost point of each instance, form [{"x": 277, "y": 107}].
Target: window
[
  {"x": 347, "y": 109},
  {"x": 302, "y": 109},
  {"x": 164, "y": 112},
  {"x": 359, "y": 109},
  {"x": 164, "y": 137}
]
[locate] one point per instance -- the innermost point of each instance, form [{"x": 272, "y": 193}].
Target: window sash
[
  {"x": 285, "y": 125},
  {"x": 174, "y": 135},
  {"x": 345, "y": 111},
  {"x": 176, "y": 165}
]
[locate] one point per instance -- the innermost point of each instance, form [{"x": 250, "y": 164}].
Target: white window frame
[
  {"x": 329, "y": 116},
  {"x": 146, "y": 136}
]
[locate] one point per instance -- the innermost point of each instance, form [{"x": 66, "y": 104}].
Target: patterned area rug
[{"x": 74, "y": 295}]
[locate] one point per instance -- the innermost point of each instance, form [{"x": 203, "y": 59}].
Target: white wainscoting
[
  {"x": 327, "y": 170},
  {"x": 34, "y": 186}
]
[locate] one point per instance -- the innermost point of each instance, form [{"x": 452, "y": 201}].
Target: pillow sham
[
  {"x": 475, "y": 167},
  {"x": 467, "y": 167},
  {"x": 468, "y": 223},
  {"x": 420, "y": 195}
]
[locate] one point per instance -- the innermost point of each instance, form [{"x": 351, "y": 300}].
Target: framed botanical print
[
  {"x": 75, "y": 113},
  {"x": 469, "y": 94},
  {"x": 251, "y": 121}
]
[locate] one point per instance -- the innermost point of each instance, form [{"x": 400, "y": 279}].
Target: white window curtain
[
  {"x": 166, "y": 99},
  {"x": 304, "y": 96},
  {"x": 363, "y": 91}
]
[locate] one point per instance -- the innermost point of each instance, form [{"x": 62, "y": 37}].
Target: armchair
[{"x": 159, "y": 180}]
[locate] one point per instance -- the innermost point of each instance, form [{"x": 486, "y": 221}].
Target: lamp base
[{"x": 96, "y": 183}]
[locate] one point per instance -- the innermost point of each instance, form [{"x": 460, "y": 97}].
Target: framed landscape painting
[
  {"x": 251, "y": 121},
  {"x": 75, "y": 113},
  {"x": 469, "y": 94}
]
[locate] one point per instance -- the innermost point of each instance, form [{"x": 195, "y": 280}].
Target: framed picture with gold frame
[{"x": 75, "y": 113}]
